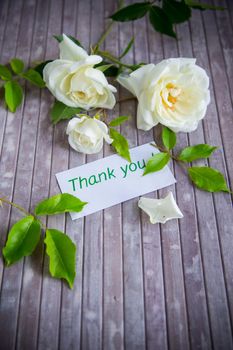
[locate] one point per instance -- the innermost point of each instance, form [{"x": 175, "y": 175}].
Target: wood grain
[{"x": 138, "y": 285}]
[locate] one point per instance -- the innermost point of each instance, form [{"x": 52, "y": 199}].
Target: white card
[{"x": 112, "y": 180}]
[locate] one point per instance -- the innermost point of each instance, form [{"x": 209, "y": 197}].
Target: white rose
[
  {"x": 86, "y": 134},
  {"x": 174, "y": 92},
  {"x": 73, "y": 80}
]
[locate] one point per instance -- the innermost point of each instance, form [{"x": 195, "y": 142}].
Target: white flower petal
[
  {"x": 135, "y": 80},
  {"x": 73, "y": 123},
  {"x": 104, "y": 129},
  {"x": 54, "y": 71},
  {"x": 145, "y": 117},
  {"x": 160, "y": 210},
  {"x": 70, "y": 51},
  {"x": 97, "y": 76},
  {"x": 109, "y": 102}
]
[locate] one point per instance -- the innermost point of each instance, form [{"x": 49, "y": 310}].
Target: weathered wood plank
[
  {"x": 71, "y": 302},
  {"x": 200, "y": 337},
  {"x": 7, "y": 161},
  {"x": 155, "y": 314},
  {"x": 212, "y": 259},
  {"x": 30, "y": 286},
  {"x": 138, "y": 285},
  {"x": 178, "y": 333},
  {"x": 134, "y": 317},
  {"x": 22, "y": 164},
  {"x": 113, "y": 318},
  {"x": 92, "y": 307},
  {"x": 3, "y": 24},
  {"x": 224, "y": 44},
  {"x": 225, "y": 33},
  {"x": 49, "y": 325}
]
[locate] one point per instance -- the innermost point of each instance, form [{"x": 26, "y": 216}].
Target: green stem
[
  {"x": 4, "y": 200},
  {"x": 113, "y": 59},
  {"x": 106, "y": 31},
  {"x": 161, "y": 149},
  {"x": 25, "y": 212},
  {"x": 103, "y": 37}
]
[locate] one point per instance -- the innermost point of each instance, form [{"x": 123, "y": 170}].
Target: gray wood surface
[{"x": 138, "y": 286}]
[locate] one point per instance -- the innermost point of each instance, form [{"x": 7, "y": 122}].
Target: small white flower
[
  {"x": 86, "y": 134},
  {"x": 73, "y": 80},
  {"x": 174, "y": 92},
  {"x": 160, "y": 210}
]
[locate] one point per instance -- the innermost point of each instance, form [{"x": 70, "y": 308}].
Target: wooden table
[{"x": 138, "y": 285}]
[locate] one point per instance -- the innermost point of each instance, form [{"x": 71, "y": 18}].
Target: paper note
[{"x": 112, "y": 180}]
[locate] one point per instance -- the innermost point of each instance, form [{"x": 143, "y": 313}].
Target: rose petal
[
  {"x": 160, "y": 210},
  {"x": 71, "y": 51},
  {"x": 135, "y": 81}
]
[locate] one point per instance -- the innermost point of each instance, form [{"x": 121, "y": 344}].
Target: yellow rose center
[
  {"x": 80, "y": 94},
  {"x": 170, "y": 95}
]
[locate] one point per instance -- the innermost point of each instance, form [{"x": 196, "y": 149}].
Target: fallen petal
[{"x": 160, "y": 210}]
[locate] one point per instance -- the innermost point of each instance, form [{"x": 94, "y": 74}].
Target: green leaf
[
  {"x": 120, "y": 144},
  {"x": 168, "y": 137},
  {"x": 60, "y": 111},
  {"x": 160, "y": 21},
  {"x": 156, "y": 163},
  {"x": 59, "y": 38},
  {"x": 61, "y": 251},
  {"x": 178, "y": 12},
  {"x": 34, "y": 77},
  {"x": 208, "y": 179},
  {"x": 5, "y": 73},
  {"x": 118, "y": 121},
  {"x": 40, "y": 67},
  {"x": 192, "y": 153},
  {"x": 17, "y": 65},
  {"x": 109, "y": 69},
  {"x": 128, "y": 47},
  {"x": 131, "y": 12},
  {"x": 13, "y": 95},
  {"x": 137, "y": 66},
  {"x": 199, "y": 6},
  {"x": 58, "y": 204},
  {"x": 104, "y": 67},
  {"x": 22, "y": 239}
]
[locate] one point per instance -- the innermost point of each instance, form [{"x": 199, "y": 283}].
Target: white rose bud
[
  {"x": 73, "y": 80},
  {"x": 174, "y": 92},
  {"x": 86, "y": 134}
]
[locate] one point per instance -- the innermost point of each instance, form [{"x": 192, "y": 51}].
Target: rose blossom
[
  {"x": 73, "y": 80},
  {"x": 87, "y": 134},
  {"x": 174, "y": 92}
]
